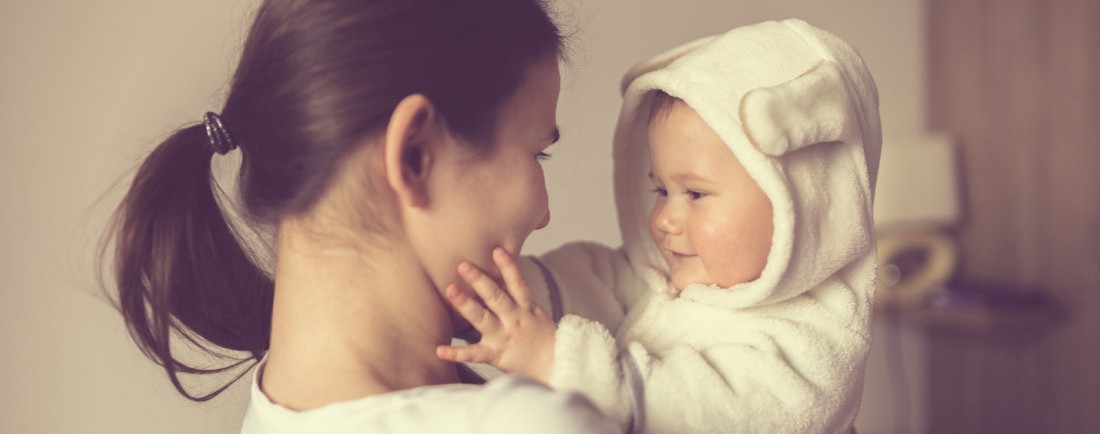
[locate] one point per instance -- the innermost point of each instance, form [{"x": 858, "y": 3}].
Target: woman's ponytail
[{"x": 180, "y": 271}]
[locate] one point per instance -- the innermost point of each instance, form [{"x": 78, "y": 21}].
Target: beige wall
[{"x": 86, "y": 88}]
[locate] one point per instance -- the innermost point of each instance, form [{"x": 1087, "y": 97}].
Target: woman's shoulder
[
  {"x": 513, "y": 403},
  {"x": 501, "y": 405}
]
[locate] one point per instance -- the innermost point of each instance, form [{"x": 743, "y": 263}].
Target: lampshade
[
  {"x": 918, "y": 183},
  {"x": 917, "y": 198}
]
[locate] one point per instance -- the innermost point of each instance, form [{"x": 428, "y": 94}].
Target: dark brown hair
[
  {"x": 660, "y": 105},
  {"x": 314, "y": 78}
]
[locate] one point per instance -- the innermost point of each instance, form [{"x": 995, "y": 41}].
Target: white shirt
[{"x": 507, "y": 404}]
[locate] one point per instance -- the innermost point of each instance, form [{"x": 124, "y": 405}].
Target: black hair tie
[{"x": 218, "y": 134}]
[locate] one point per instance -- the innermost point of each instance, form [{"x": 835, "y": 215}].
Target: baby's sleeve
[
  {"x": 588, "y": 360},
  {"x": 585, "y": 279},
  {"x": 587, "y": 288}
]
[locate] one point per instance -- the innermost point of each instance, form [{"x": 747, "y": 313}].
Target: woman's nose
[{"x": 545, "y": 221}]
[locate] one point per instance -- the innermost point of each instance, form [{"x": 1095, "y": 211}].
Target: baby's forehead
[
  {"x": 673, "y": 113},
  {"x": 682, "y": 147},
  {"x": 679, "y": 127},
  {"x": 661, "y": 104}
]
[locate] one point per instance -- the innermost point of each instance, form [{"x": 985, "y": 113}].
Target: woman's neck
[{"x": 351, "y": 322}]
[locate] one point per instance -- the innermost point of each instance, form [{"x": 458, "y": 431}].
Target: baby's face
[{"x": 712, "y": 223}]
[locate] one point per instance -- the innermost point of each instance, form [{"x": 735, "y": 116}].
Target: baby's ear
[{"x": 814, "y": 107}]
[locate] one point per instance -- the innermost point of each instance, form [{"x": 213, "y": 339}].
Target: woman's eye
[
  {"x": 660, "y": 191},
  {"x": 543, "y": 156},
  {"x": 695, "y": 195}
]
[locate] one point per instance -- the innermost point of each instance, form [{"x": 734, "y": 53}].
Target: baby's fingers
[
  {"x": 479, "y": 317},
  {"x": 468, "y": 354},
  {"x": 513, "y": 279},
  {"x": 496, "y": 299}
]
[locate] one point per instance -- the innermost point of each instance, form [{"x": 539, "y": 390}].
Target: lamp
[{"x": 916, "y": 206}]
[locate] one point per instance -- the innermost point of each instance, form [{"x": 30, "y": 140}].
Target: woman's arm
[{"x": 516, "y": 404}]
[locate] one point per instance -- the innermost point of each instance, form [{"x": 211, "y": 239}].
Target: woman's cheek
[{"x": 540, "y": 207}]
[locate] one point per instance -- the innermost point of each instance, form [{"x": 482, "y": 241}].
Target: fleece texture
[{"x": 784, "y": 353}]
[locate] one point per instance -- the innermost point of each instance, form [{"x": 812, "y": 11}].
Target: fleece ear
[{"x": 812, "y": 108}]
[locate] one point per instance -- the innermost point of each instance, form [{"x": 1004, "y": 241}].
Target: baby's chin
[
  {"x": 676, "y": 277},
  {"x": 681, "y": 278},
  {"x": 679, "y": 281}
]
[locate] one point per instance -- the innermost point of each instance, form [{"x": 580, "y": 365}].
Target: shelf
[
  {"x": 981, "y": 308},
  {"x": 983, "y": 320}
]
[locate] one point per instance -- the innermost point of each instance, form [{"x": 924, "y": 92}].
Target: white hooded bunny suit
[{"x": 783, "y": 353}]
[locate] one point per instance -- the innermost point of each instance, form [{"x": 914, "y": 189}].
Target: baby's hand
[{"x": 517, "y": 336}]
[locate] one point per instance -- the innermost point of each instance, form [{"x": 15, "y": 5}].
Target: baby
[{"x": 741, "y": 298}]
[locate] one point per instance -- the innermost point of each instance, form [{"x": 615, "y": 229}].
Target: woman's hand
[{"x": 517, "y": 336}]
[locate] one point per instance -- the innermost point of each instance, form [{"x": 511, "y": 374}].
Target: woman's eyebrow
[{"x": 555, "y": 135}]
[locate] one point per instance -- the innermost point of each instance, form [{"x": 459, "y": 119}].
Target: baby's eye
[
  {"x": 660, "y": 191},
  {"x": 695, "y": 195},
  {"x": 543, "y": 156}
]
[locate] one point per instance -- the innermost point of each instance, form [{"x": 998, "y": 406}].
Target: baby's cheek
[
  {"x": 719, "y": 248},
  {"x": 714, "y": 234}
]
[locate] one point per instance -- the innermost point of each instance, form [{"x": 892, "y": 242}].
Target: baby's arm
[
  {"x": 757, "y": 383},
  {"x": 518, "y": 336},
  {"x": 774, "y": 369}
]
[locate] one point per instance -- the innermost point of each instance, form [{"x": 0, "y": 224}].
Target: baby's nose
[{"x": 668, "y": 223}]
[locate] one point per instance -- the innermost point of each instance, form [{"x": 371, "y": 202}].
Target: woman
[{"x": 387, "y": 141}]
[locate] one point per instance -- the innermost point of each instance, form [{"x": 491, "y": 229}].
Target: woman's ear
[{"x": 412, "y": 137}]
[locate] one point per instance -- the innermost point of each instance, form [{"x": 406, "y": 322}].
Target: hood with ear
[{"x": 799, "y": 109}]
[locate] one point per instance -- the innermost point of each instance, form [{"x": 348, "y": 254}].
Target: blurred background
[{"x": 989, "y": 201}]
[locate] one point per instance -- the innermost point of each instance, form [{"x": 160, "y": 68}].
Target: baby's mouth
[
  {"x": 681, "y": 257},
  {"x": 677, "y": 255}
]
